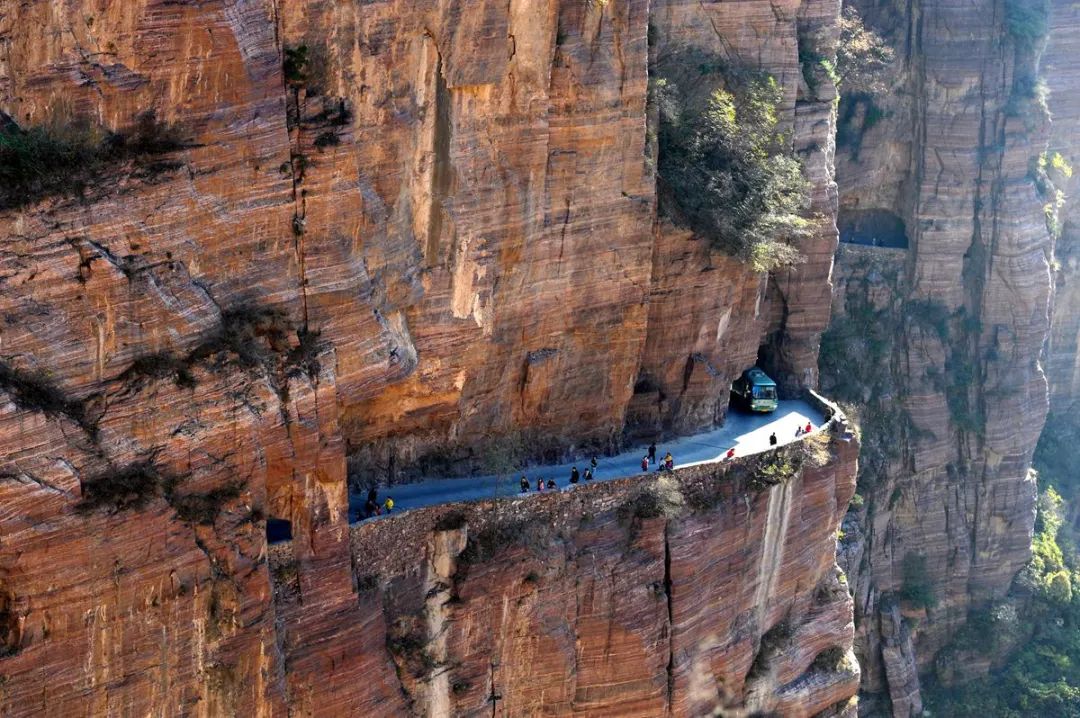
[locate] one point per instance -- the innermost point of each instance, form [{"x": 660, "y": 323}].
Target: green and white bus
[{"x": 756, "y": 390}]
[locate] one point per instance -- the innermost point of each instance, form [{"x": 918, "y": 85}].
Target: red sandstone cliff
[
  {"x": 948, "y": 328},
  {"x": 439, "y": 230}
]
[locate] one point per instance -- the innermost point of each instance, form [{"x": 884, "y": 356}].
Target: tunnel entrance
[
  {"x": 872, "y": 228},
  {"x": 278, "y": 530}
]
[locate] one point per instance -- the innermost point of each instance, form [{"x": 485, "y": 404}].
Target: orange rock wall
[
  {"x": 586, "y": 606},
  {"x": 452, "y": 214}
]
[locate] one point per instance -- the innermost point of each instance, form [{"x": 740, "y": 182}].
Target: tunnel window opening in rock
[
  {"x": 278, "y": 530},
  {"x": 872, "y": 228}
]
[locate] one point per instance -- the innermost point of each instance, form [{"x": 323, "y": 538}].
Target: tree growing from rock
[{"x": 726, "y": 167}]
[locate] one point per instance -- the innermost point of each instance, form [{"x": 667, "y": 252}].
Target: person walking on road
[
  {"x": 574, "y": 475},
  {"x": 652, "y": 453},
  {"x": 371, "y": 506},
  {"x": 645, "y": 463},
  {"x": 772, "y": 439},
  {"x": 593, "y": 464},
  {"x": 524, "y": 484}
]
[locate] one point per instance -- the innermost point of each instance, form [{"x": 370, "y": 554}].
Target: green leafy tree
[
  {"x": 863, "y": 58},
  {"x": 726, "y": 167},
  {"x": 1043, "y": 677}
]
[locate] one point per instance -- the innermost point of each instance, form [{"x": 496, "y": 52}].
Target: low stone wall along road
[{"x": 747, "y": 433}]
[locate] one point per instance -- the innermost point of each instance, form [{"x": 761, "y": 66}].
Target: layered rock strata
[
  {"x": 940, "y": 341},
  {"x": 704, "y": 591},
  {"x": 395, "y": 230}
]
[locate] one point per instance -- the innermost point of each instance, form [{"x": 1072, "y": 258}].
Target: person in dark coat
[
  {"x": 574, "y": 475},
  {"x": 652, "y": 453},
  {"x": 524, "y": 484},
  {"x": 772, "y": 439}
]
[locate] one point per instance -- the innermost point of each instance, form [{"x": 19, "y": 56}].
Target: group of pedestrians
[
  {"x": 372, "y": 507},
  {"x": 668, "y": 464},
  {"x": 576, "y": 476},
  {"x": 800, "y": 430}
]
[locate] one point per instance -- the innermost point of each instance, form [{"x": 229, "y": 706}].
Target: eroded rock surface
[
  {"x": 939, "y": 338},
  {"x": 396, "y": 231}
]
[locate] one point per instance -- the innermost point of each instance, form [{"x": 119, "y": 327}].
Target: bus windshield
[{"x": 764, "y": 392}]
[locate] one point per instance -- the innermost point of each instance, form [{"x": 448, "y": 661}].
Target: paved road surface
[{"x": 748, "y": 433}]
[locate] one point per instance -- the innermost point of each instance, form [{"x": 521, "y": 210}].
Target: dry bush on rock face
[
  {"x": 60, "y": 159},
  {"x": 863, "y": 58}
]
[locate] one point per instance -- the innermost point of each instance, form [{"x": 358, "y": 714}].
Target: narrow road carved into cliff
[{"x": 747, "y": 433}]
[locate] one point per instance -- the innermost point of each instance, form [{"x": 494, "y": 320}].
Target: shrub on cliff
[
  {"x": 202, "y": 508},
  {"x": 863, "y": 58},
  {"x": 305, "y": 66},
  {"x": 66, "y": 159},
  {"x": 726, "y": 169},
  {"x": 1027, "y": 21},
  {"x": 34, "y": 391},
  {"x": 129, "y": 487},
  {"x": 916, "y": 588}
]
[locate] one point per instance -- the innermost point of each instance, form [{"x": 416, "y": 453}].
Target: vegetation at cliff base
[
  {"x": 726, "y": 168},
  {"x": 1042, "y": 678},
  {"x": 1049, "y": 575}
]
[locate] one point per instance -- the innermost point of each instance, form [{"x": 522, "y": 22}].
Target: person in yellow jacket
[{"x": 388, "y": 505}]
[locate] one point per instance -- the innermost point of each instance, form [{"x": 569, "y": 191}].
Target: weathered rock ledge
[{"x": 706, "y": 589}]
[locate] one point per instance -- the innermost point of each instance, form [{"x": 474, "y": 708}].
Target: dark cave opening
[{"x": 278, "y": 530}]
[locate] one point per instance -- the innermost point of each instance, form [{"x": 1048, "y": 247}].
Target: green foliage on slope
[
  {"x": 1043, "y": 677},
  {"x": 726, "y": 167}
]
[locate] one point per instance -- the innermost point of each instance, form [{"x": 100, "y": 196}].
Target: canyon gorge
[{"x": 305, "y": 247}]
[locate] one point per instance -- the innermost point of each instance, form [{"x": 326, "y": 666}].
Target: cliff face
[
  {"x": 1061, "y": 77},
  {"x": 394, "y": 231},
  {"x": 706, "y": 303},
  {"x": 600, "y": 601},
  {"x": 459, "y": 201},
  {"x": 948, "y": 328}
]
